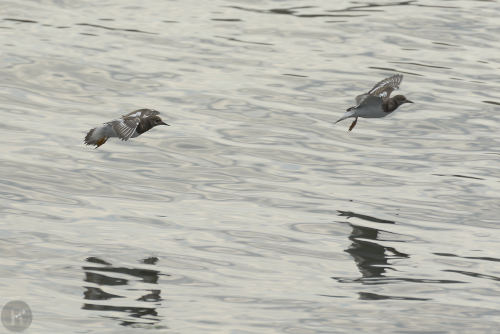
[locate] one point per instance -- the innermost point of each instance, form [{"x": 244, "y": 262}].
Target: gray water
[{"x": 253, "y": 212}]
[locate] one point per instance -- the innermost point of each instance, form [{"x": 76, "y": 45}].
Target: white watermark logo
[{"x": 16, "y": 316}]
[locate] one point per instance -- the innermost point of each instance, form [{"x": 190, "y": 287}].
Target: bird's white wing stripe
[
  {"x": 123, "y": 129},
  {"x": 128, "y": 131},
  {"x": 141, "y": 113}
]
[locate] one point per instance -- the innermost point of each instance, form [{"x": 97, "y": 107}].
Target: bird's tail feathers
[
  {"x": 95, "y": 137},
  {"x": 89, "y": 140},
  {"x": 348, "y": 114}
]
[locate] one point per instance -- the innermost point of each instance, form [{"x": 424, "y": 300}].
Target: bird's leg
[
  {"x": 353, "y": 124},
  {"x": 101, "y": 141}
]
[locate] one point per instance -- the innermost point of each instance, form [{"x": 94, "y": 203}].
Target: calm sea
[{"x": 253, "y": 212}]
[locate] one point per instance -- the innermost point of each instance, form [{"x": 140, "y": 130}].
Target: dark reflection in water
[
  {"x": 148, "y": 315},
  {"x": 462, "y": 176},
  {"x": 293, "y": 11},
  {"x": 20, "y": 20},
  {"x": 376, "y": 296},
  {"x": 111, "y": 28},
  {"x": 350, "y": 214},
  {"x": 473, "y": 274},
  {"x": 484, "y": 258},
  {"x": 136, "y": 312},
  {"x": 93, "y": 293},
  {"x": 492, "y": 102},
  {"x": 366, "y": 8},
  {"x": 227, "y": 20},
  {"x": 242, "y": 41},
  {"x": 147, "y": 275},
  {"x": 373, "y": 259},
  {"x": 98, "y": 26}
]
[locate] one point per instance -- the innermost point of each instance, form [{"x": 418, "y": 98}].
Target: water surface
[{"x": 253, "y": 212}]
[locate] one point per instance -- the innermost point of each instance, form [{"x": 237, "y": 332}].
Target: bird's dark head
[
  {"x": 156, "y": 120},
  {"x": 401, "y": 99},
  {"x": 148, "y": 123}
]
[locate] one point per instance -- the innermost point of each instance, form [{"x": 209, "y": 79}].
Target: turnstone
[
  {"x": 377, "y": 103},
  {"x": 128, "y": 126}
]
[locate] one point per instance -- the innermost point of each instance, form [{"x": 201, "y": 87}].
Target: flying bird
[
  {"x": 377, "y": 102},
  {"x": 128, "y": 126}
]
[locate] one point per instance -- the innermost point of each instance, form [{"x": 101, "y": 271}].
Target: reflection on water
[
  {"x": 374, "y": 296},
  {"x": 374, "y": 260},
  {"x": 140, "y": 315},
  {"x": 350, "y": 214},
  {"x": 371, "y": 258}
]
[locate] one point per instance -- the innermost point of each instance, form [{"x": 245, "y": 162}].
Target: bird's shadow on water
[
  {"x": 373, "y": 259},
  {"x": 102, "y": 275}
]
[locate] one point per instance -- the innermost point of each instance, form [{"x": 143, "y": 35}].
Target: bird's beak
[
  {"x": 163, "y": 123},
  {"x": 408, "y": 101}
]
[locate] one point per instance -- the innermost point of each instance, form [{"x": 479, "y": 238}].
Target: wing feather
[
  {"x": 141, "y": 113},
  {"x": 385, "y": 87},
  {"x": 361, "y": 98},
  {"x": 125, "y": 127}
]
